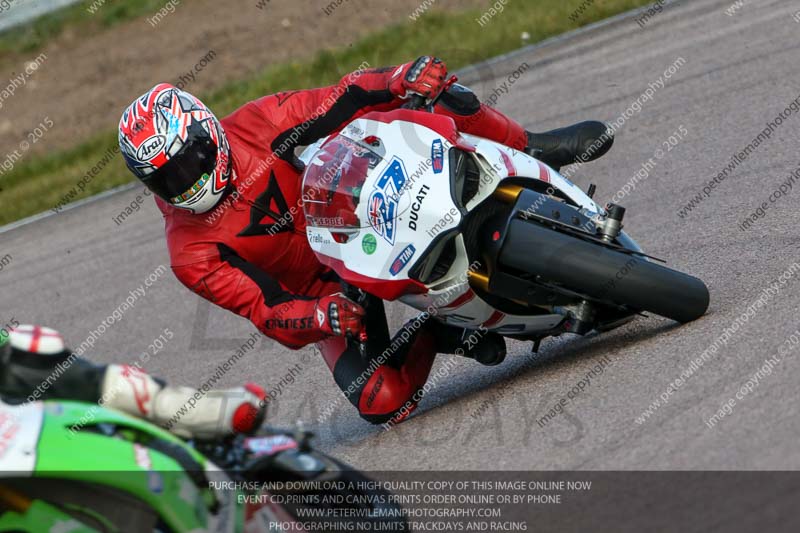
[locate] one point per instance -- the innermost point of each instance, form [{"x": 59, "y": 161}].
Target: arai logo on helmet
[
  {"x": 382, "y": 204},
  {"x": 150, "y": 147},
  {"x": 402, "y": 260},
  {"x": 437, "y": 156}
]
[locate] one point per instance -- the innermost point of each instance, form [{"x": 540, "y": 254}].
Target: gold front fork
[{"x": 508, "y": 193}]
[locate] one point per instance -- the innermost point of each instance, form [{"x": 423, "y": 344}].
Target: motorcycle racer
[
  {"x": 229, "y": 191},
  {"x": 36, "y": 365}
]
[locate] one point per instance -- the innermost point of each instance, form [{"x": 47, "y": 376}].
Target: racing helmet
[{"x": 176, "y": 146}]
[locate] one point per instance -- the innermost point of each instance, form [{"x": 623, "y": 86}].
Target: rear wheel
[{"x": 603, "y": 273}]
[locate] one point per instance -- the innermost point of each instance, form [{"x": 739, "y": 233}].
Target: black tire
[{"x": 600, "y": 272}]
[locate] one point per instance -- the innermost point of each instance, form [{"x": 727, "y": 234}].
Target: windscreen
[{"x": 332, "y": 183}]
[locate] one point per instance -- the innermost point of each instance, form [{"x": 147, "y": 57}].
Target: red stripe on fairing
[
  {"x": 461, "y": 300},
  {"x": 496, "y": 317},
  {"x": 441, "y": 124},
  {"x": 544, "y": 174},
  {"x": 509, "y": 163},
  {"x": 382, "y": 288}
]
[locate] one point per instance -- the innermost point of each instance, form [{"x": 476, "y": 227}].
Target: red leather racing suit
[{"x": 250, "y": 255}]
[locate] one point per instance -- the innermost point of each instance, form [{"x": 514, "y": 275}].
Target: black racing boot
[
  {"x": 487, "y": 348},
  {"x": 582, "y": 142}
]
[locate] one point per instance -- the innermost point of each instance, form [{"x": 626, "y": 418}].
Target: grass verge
[
  {"x": 40, "y": 184},
  {"x": 78, "y": 17}
]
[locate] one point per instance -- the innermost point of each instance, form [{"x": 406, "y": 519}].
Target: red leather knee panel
[
  {"x": 390, "y": 387},
  {"x": 392, "y": 391}
]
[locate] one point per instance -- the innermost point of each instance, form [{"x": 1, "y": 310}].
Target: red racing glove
[
  {"x": 426, "y": 76},
  {"x": 338, "y": 315}
]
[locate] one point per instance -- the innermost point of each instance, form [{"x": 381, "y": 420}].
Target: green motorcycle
[{"x": 60, "y": 473}]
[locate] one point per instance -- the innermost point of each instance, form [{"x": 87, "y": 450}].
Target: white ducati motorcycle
[{"x": 481, "y": 236}]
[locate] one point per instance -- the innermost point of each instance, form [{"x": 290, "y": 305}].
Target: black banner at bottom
[
  {"x": 543, "y": 502},
  {"x": 417, "y": 501}
]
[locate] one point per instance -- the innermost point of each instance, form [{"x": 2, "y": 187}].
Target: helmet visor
[{"x": 186, "y": 172}]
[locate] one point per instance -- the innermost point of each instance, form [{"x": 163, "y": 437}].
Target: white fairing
[
  {"x": 421, "y": 200},
  {"x": 425, "y": 208},
  {"x": 20, "y": 427}
]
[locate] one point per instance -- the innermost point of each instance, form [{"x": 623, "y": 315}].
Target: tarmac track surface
[{"x": 737, "y": 73}]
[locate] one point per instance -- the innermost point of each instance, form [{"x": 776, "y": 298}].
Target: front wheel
[{"x": 603, "y": 273}]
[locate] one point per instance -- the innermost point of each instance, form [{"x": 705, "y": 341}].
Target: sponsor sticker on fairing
[
  {"x": 383, "y": 201},
  {"x": 142, "y": 457},
  {"x": 269, "y": 445},
  {"x": 369, "y": 244},
  {"x": 155, "y": 482},
  {"x": 437, "y": 156},
  {"x": 402, "y": 260}
]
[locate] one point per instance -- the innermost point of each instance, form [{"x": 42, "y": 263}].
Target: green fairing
[{"x": 85, "y": 455}]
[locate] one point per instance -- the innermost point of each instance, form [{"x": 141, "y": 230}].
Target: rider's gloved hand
[
  {"x": 338, "y": 315},
  {"x": 187, "y": 412},
  {"x": 426, "y": 76}
]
